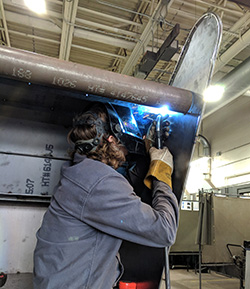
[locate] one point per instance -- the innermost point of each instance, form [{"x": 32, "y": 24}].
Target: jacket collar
[{"x": 78, "y": 158}]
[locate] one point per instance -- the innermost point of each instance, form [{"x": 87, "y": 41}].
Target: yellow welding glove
[{"x": 161, "y": 166}]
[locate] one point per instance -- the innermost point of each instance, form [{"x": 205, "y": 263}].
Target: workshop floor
[
  {"x": 183, "y": 279},
  {"x": 180, "y": 279}
]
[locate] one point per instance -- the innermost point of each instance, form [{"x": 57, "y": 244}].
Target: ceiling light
[
  {"x": 37, "y": 6},
  {"x": 247, "y": 93},
  {"x": 213, "y": 93}
]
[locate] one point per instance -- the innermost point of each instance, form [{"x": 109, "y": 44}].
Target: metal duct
[
  {"x": 241, "y": 2},
  {"x": 205, "y": 144},
  {"x": 232, "y": 51},
  {"x": 236, "y": 83},
  {"x": 206, "y": 153},
  {"x": 34, "y": 68}
]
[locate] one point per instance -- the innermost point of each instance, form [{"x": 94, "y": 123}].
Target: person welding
[{"x": 95, "y": 208}]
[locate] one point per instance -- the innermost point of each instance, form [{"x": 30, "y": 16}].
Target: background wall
[
  {"x": 228, "y": 132},
  {"x": 31, "y": 154},
  {"x": 18, "y": 226}
]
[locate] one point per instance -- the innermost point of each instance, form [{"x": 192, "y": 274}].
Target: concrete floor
[
  {"x": 179, "y": 278},
  {"x": 183, "y": 279}
]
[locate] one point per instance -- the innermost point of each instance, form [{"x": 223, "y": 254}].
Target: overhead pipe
[
  {"x": 236, "y": 83},
  {"x": 205, "y": 144},
  {"x": 244, "y": 20},
  {"x": 38, "y": 69},
  {"x": 206, "y": 153},
  {"x": 231, "y": 52}
]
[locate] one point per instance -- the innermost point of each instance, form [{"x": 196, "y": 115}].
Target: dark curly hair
[{"x": 110, "y": 153}]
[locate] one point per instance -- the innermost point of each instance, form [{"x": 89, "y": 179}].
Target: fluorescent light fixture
[
  {"x": 37, "y": 6},
  {"x": 213, "y": 93}
]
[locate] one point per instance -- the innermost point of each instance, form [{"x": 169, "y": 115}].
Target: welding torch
[
  {"x": 158, "y": 141},
  {"x": 158, "y": 129}
]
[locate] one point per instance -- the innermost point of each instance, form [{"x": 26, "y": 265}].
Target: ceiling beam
[
  {"x": 106, "y": 27},
  {"x": 22, "y": 34},
  {"x": 58, "y": 43},
  {"x": 110, "y": 17},
  {"x": 146, "y": 36},
  {"x": 116, "y": 65},
  {"x": 228, "y": 10},
  {"x": 48, "y": 25},
  {"x": 5, "y": 23},
  {"x": 98, "y": 51},
  {"x": 119, "y": 20},
  {"x": 29, "y": 21},
  {"x": 104, "y": 39},
  {"x": 69, "y": 17}
]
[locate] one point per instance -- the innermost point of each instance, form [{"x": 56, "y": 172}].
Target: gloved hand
[
  {"x": 161, "y": 166},
  {"x": 149, "y": 138}
]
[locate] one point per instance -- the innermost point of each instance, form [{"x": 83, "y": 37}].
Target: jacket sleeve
[{"x": 113, "y": 208}]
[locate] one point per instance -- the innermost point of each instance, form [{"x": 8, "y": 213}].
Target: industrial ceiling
[{"x": 115, "y": 35}]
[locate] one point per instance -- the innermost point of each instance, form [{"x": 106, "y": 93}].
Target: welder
[{"x": 94, "y": 207}]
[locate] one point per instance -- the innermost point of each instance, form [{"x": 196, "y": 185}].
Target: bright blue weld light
[{"x": 163, "y": 110}]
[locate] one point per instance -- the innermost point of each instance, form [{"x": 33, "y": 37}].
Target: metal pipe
[
  {"x": 236, "y": 83},
  {"x": 167, "y": 271},
  {"x": 233, "y": 50},
  {"x": 34, "y": 68},
  {"x": 206, "y": 153},
  {"x": 206, "y": 145}
]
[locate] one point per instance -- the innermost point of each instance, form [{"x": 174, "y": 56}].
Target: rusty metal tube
[{"x": 39, "y": 69}]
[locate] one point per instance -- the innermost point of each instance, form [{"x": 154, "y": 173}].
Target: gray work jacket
[{"x": 93, "y": 209}]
